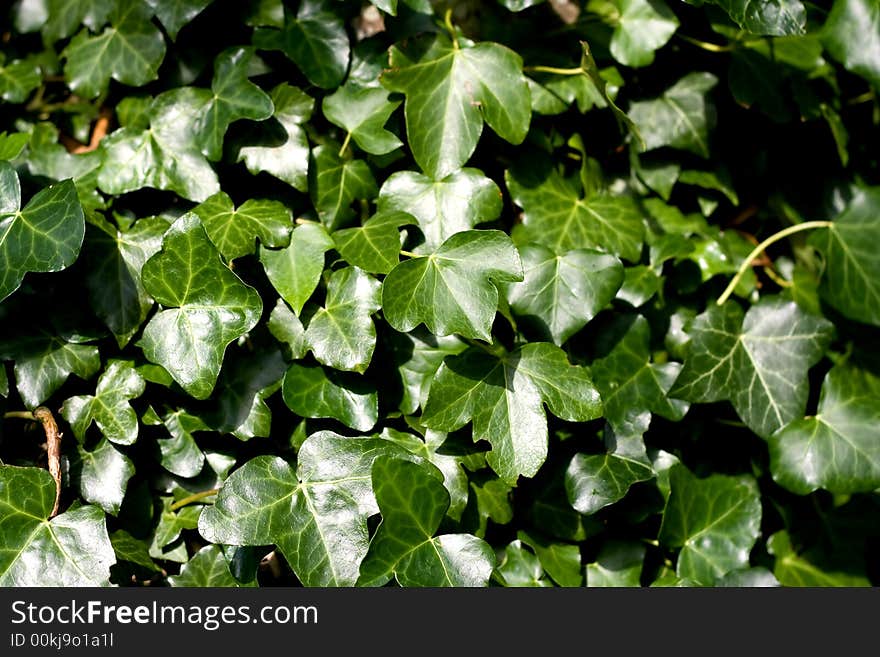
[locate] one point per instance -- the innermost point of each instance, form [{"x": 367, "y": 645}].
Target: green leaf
[
  {"x": 109, "y": 408},
  {"x": 166, "y": 542},
  {"x": 18, "y": 79},
  {"x": 207, "y": 307},
  {"x": 280, "y": 147},
  {"x": 335, "y": 183},
  {"x": 413, "y": 501},
  {"x": 715, "y": 521},
  {"x": 767, "y": 17},
  {"x": 594, "y": 481},
  {"x": 562, "y": 561},
  {"x": 759, "y": 362},
  {"x": 234, "y": 231},
  {"x": 130, "y": 51},
  {"x": 560, "y": 294},
  {"x": 342, "y": 334},
  {"x": 207, "y": 568},
  {"x": 163, "y": 157},
  {"x": 748, "y": 577},
  {"x": 72, "y": 549},
  {"x": 632, "y": 387},
  {"x": 12, "y": 144},
  {"x": 102, "y": 475},
  {"x": 179, "y": 454},
  {"x": 175, "y": 14},
  {"x": 417, "y": 355},
  {"x": 315, "y": 40},
  {"x": 115, "y": 258},
  {"x": 444, "y": 207},
  {"x": 363, "y": 114},
  {"x": 557, "y": 216},
  {"x": 836, "y": 449},
  {"x": 375, "y": 246},
  {"x": 453, "y": 290},
  {"x": 234, "y": 97},
  {"x": 295, "y": 270},
  {"x": 640, "y": 28},
  {"x": 521, "y": 568},
  {"x": 851, "y": 282},
  {"x": 44, "y": 360},
  {"x": 65, "y": 16},
  {"x": 44, "y": 236},
  {"x": 640, "y": 283},
  {"x": 681, "y": 117},
  {"x": 619, "y": 563},
  {"x": 850, "y": 35},
  {"x": 793, "y": 569},
  {"x": 317, "y": 516},
  {"x": 288, "y": 330},
  {"x": 130, "y": 549},
  {"x": 450, "y": 91},
  {"x": 317, "y": 392},
  {"x": 504, "y": 398}
]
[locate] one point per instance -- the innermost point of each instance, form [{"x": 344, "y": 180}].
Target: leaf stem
[
  {"x": 195, "y": 497},
  {"x": 705, "y": 45},
  {"x": 410, "y": 254},
  {"x": 775, "y": 277},
  {"x": 302, "y": 222},
  {"x": 552, "y": 69},
  {"x": 493, "y": 349},
  {"x": 447, "y": 21},
  {"x": 866, "y": 97},
  {"x": 345, "y": 143},
  {"x": 44, "y": 416},
  {"x": 23, "y": 415},
  {"x": 791, "y": 230}
]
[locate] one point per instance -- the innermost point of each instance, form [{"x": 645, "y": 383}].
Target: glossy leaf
[
  {"x": 234, "y": 231},
  {"x": 418, "y": 354},
  {"x": 443, "y": 207},
  {"x": 317, "y": 392},
  {"x": 450, "y": 91},
  {"x": 109, "y": 407},
  {"x": 794, "y": 569},
  {"x": 65, "y": 16},
  {"x": 759, "y": 362},
  {"x": 335, "y": 183},
  {"x": 18, "y": 79},
  {"x": 453, "y": 290},
  {"x": 770, "y": 17},
  {"x": 640, "y": 28},
  {"x": 341, "y": 334},
  {"x": 295, "y": 270},
  {"x": 715, "y": 521},
  {"x": 518, "y": 567},
  {"x": 179, "y": 453},
  {"x": 207, "y": 307},
  {"x": 72, "y": 549},
  {"x": 375, "y": 246},
  {"x": 561, "y": 293},
  {"x": 619, "y": 564},
  {"x": 850, "y": 35},
  {"x": 175, "y": 14},
  {"x": 208, "y": 567},
  {"x": 102, "y": 475},
  {"x": 44, "y": 236},
  {"x": 404, "y": 544},
  {"x": 363, "y": 114},
  {"x": 836, "y": 449},
  {"x": 504, "y": 398}
]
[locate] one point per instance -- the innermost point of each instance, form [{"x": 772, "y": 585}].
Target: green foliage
[{"x": 484, "y": 297}]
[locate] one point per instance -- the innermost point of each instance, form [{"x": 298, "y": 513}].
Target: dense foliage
[{"x": 513, "y": 293}]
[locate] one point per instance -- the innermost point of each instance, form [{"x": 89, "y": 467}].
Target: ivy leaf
[
  {"x": 450, "y": 91},
  {"x": 851, "y": 282},
  {"x": 129, "y": 51},
  {"x": 207, "y": 307},
  {"x": 317, "y": 392},
  {"x": 133, "y": 550},
  {"x": 444, "y": 207},
  {"x": 163, "y": 157},
  {"x": 504, "y": 398},
  {"x": 115, "y": 258},
  {"x": 766, "y": 17},
  {"x": 295, "y": 270},
  {"x": 315, "y": 40},
  {"x": 850, "y": 35},
  {"x": 715, "y": 521},
  {"x": 562, "y": 561},
  {"x": 282, "y": 148},
  {"x": 102, "y": 475},
  {"x": 375, "y": 246},
  {"x": 413, "y": 501},
  {"x": 342, "y": 334},
  {"x": 72, "y": 549},
  {"x": 794, "y": 569},
  {"x": 363, "y": 113},
  {"x": 44, "y": 360},
  {"x": 166, "y": 542},
  {"x": 234, "y": 231},
  {"x": 837, "y": 449},
  {"x": 619, "y": 563},
  {"x": 335, "y": 183},
  {"x": 208, "y": 567},
  {"x": 12, "y": 144},
  {"x": 561, "y": 293},
  {"x": 521, "y": 568},
  {"x": 109, "y": 407},
  {"x": 632, "y": 387},
  {"x": 759, "y": 362},
  {"x": 310, "y": 513},
  {"x": 594, "y": 481},
  {"x": 175, "y": 14},
  {"x": 65, "y": 16},
  {"x": 44, "y": 236},
  {"x": 286, "y": 328},
  {"x": 234, "y": 97},
  {"x": 179, "y": 454},
  {"x": 18, "y": 79},
  {"x": 748, "y": 577},
  {"x": 453, "y": 290},
  {"x": 680, "y": 118},
  {"x": 557, "y": 216},
  {"x": 418, "y": 354},
  {"x": 640, "y": 28}
]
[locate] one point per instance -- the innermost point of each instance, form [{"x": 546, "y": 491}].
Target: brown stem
[{"x": 53, "y": 450}]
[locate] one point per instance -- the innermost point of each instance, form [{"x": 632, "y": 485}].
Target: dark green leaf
[
  {"x": 851, "y": 36},
  {"x": 65, "y": 16},
  {"x": 317, "y": 392},
  {"x": 375, "y": 246},
  {"x": 519, "y": 567},
  {"x": 175, "y": 14},
  {"x": 335, "y": 183},
  {"x": 208, "y": 567},
  {"x": 619, "y": 564},
  {"x": 640, "y": 28},
  {"x": 294, "y": 271},
  {"x": 363, "y": 113},
  {"x": 793, "y": 569},
  {"x": 18, "y": 79},
  {"x": 179, "y": 454},
  {"x": 102, "y": 475},
  {"x": 562, "y": 561},
  {"x": 418, "y": 354},
  {"x": 109, "y": 407},
  {"x": 770, "y": 17},
  {"x": 234, "y": 231}
]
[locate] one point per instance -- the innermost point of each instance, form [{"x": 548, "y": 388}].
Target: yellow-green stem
[
  {"x": 410, "y": 254},
  {"x": 705, "y": 45},
  {"x": 345, "y": 143},
  {"x": 791, "y": 230},
  {"x": 23, "y": 415},
  {"x": 195, "y": 497},
  {"x": 553, "y": 70},
  {"x": 447, "y": 21}
]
